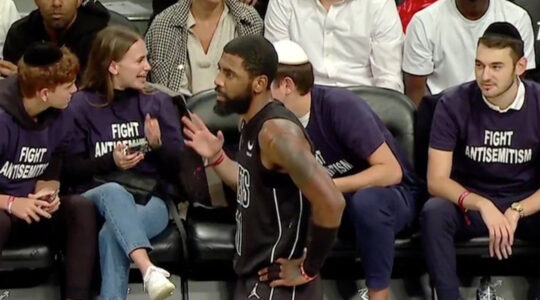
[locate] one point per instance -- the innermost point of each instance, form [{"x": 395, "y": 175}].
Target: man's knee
[
  {"x": 369, "y": 207},
  {"x": 436, "y": 213}
]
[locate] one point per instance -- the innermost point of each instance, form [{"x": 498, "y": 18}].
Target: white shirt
[
  {"x": 8, "y": 15},
  {"x": 202, "y": 68},
  {"x": 357, "y": 42},
  {"x": 441, "y": 43},
  {"x": 516, "y": 104}
]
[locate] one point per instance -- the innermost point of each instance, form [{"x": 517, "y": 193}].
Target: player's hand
[
  {"x": 123, "y": 160},
  {"x": 200, "y": 138},
  {"x": 284, "y": 272},
  {"x": 501, "y": 235},
  {"x": 30, "y": 210},
  {"x": 7, "y": 68},
  {"x": 152, "y": 132}
]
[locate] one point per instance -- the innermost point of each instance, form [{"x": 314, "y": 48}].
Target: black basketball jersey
[{"x": 272, "y": 214}]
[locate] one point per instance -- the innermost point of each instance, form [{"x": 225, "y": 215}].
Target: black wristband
[{"x": 320, "y": 242}]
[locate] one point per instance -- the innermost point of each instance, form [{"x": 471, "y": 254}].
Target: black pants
[
  {"x": 71, "y": 228},
  {"x": 252, "y": 289},
  {"x": 442, "y": 223}
]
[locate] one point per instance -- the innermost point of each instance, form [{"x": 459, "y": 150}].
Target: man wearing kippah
[
  {"x": 363, "y": 159},
  {"x": 34, "y": 133},
  {"x": 483, "y": 160}
]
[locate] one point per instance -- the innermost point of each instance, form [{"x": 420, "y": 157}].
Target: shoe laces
[{"x": 155, "y": 269}]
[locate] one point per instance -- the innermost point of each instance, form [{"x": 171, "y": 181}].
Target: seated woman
[
  {"x": 113, "y": 112},
  {"x": 33, "y": 136}
]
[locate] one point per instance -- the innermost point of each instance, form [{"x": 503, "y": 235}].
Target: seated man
[
  {"x": 348, "y": 42},
  {"x": 186, "y": 40},
  {"x": 483, "y": 160},
  {"x": 440, "y": 42},
  {"x": 34, "y": 133},
  {"x": 361, "y": 156},
  {"x": 63, "y": 22}
]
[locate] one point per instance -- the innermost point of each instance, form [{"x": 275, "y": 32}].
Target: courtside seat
[{"x": 26, "y": 256}]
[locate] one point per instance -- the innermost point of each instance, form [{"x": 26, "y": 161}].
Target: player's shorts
[{"x": 253, "y": 289}]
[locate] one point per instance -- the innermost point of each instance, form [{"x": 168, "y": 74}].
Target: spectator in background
[
  {"x": 348, "y": 42},
  {"x": 441, "y": 40},
  {"x": 160, "y": 5},
  {"x": 483, "y": 160},
  {"x": 8, "y": 15},
  {"x": 533, "y": 8},
  {"x": 185, "y": 42},
  {"x": 63, "y": 22},
  {"x": 367, "y": 166}
]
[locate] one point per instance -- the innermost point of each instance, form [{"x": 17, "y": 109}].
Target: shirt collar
[{"x": 516, "y": 104}]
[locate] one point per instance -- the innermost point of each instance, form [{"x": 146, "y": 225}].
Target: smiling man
[
  {"x": 63, "y": 22},
  {"x": 483, "y": 160}
]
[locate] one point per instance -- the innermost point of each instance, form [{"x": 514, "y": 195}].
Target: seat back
[{"x": 395, "y": 110}]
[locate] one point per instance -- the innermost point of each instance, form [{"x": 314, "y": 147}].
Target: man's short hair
[
  {"x": 33, "y": 78},
  {"x": 302, "y": 75},
  {"x": 260, "y": 57},
  {"x": 500, "y": 35}
]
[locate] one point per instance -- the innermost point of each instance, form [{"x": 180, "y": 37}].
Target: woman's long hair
[{"x": 110, "y": 44}]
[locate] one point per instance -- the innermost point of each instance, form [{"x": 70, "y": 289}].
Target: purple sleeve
[
  {"x": 169, "y": 124},
  {"x": 79, "y": 132},
  {"x": 54, "y": 169},
  {"x": 444, "y": 128},
  {"x": 356, "y": 127},
  {"x": 168, "y": 157}
]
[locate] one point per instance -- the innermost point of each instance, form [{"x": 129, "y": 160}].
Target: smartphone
[
  {"x": 49, "y": 198},
  {"x": 141, "y": 147}
]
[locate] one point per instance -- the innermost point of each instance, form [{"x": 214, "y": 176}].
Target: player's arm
[
  {"x": 384, "y": 170},
  {"x": 284, "y": 148},
  {"x": 210, "y": 147}
]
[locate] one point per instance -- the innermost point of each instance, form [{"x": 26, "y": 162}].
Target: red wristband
[
  {"x": 304, "y": 274},
  {"x": 218, "y": 161},
  {"x": 10, "y": 201},
  {"x": 462, "y": 208}
]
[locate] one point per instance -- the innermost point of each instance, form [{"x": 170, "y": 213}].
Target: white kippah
[{"x": 290, "y": 53}]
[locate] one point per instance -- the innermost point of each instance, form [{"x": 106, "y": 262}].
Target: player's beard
[{"x": 237, "y": 105}]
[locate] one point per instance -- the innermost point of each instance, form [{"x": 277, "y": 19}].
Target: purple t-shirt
[
  {"x": 345, "y": 132},
  {"x": 494, "y": 154},
  {"x": 98, "y": 128},
  {"x": 25, "y": 152}
]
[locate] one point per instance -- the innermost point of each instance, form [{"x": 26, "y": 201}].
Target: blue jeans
[{"x": 128, "y": 226}]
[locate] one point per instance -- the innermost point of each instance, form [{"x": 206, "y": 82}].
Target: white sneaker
[{"x": 156, "y": 283}]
